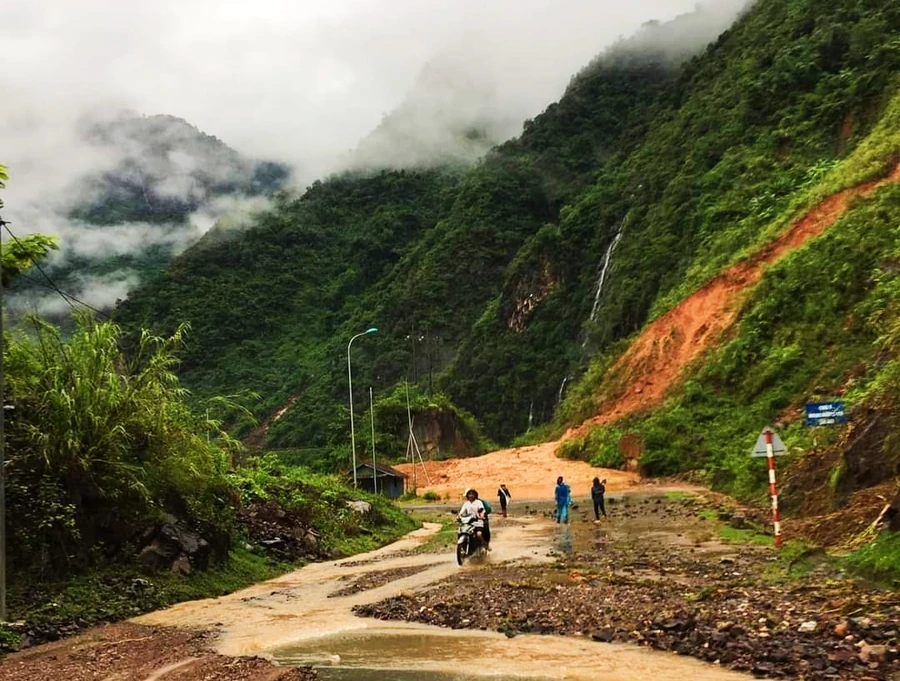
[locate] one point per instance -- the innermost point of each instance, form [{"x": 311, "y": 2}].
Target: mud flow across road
[
  {"x": 307, "y": 617},
  {"x": 611, "y": 600}
]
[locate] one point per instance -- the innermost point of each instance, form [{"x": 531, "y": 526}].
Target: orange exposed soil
[
  {"x": 639, "y": 380},
  {"x": 657, "y": 358},
  {"x": 529, "y": 472}
]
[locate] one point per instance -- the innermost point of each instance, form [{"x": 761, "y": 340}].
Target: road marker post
[
  {"x": 768, "y": 444},
  {"x": 773, "y": 491}
]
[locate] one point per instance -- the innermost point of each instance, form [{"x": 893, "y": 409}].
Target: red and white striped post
[{"x": 773, "y": 492}]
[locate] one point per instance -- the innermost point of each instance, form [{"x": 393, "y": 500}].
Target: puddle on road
[
  {"x": 407, "y": 652},
  {"x": 361, "y": 674}
]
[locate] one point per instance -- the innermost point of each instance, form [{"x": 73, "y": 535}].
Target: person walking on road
[
  {"x": 504, "y": 496},
  {"x": 563, "y": 500},
  {"x": 597, "y": 491}
]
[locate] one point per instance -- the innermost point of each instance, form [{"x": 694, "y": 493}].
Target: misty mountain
[
  {"x": 154, "y": 186},
  {"x": 453, "y": 113},
  {"x": 464, "y": 102},
  {"x": 165, "y": 170},
  {"x": 512, "y": 284}
]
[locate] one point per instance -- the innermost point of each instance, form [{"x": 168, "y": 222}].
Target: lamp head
[{"x": 371, "y": 331}]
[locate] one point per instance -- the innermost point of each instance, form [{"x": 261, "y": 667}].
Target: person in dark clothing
[
  {"x": 504, "y": 496},
  {"x": 487, "y": 523},
  {"x": 598, "y": 490}
]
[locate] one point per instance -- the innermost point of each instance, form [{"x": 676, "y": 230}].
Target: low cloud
[
  {"x": 299, "y": 81},
  {"x": 99, "y": 292},
  {"x": 229, "y": 212},
  {"x": 302, "y": 82}
]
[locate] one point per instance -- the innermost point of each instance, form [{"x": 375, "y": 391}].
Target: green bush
[
  {"x": 600, "y": 448},
  {"x": 320, "y": 501},
  {"x": 573, "y": 448},
  {"x": 101, "y": 442},
  {"x": 431, "y": 495},
  {"x": 879, "y": 560}
]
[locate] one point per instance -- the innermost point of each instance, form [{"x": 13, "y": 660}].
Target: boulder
[
  {"x": 311, "y": 541},
  {"x": 876, "y": 653},
  {"x": 181, "y": 566},
  {"x": 361, "y": 507},
  {"x": 604, "y": 635},
  {"x": 168, "y": 541}
]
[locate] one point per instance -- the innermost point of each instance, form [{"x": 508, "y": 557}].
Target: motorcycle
[{"x": 469, "y": 543}]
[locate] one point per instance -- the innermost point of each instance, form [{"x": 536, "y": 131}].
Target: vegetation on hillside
[
  {"x": 483, "y": 282},
  {"x": 123, "y": 497},
  {"x": 103, "y": 450}
]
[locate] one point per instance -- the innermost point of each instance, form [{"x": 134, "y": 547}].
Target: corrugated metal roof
[{"x": 364, "y": 468}]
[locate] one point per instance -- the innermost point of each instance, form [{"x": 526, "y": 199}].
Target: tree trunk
[{"x": 892, "y": 517}]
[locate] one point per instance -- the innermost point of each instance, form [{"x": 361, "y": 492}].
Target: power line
[
  {"x": 50, "y": 283},
  {"x": 66, "y": 295}
]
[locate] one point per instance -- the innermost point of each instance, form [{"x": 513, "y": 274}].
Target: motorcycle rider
[{"x": 473, "y": 508}]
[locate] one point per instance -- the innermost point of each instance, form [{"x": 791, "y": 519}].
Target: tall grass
[{"x": 99, "y": 439}]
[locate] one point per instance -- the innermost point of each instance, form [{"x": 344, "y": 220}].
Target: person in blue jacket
[{"x": 563, "y": 500}]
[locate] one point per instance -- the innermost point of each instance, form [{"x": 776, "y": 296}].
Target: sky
[{"x": 299, "y": 81}]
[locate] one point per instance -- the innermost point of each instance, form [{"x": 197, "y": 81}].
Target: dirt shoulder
[
  {"x": 657, "y": 573},
  {"x": 131, "y": 652}
]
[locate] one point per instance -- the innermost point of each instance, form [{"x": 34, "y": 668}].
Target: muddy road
[
  {"x": 310, "y": 617},
  {"x": 611, "y": 600},
  {"x": 665, "y": 573}
]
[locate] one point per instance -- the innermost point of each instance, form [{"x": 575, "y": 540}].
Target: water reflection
[
  {"x": 406, "y": 652},
  {"x": 564, "y": 540}
]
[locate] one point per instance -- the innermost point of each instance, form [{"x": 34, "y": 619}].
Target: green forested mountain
[{"x": 651, "y": 173}]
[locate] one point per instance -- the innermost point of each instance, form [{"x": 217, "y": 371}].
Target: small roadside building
[{"x": 381, "y": 479}]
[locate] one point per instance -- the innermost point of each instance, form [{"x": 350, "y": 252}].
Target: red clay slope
[{"x": 657, "y": 358}]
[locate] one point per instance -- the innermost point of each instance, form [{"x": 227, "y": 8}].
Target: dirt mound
[
  {"x": 658, "y": 357},
  {"x": 529, "y": 472},
  {"x": 841, "y": 527}
]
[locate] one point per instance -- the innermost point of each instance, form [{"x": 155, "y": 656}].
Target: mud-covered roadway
[
  {"x": 654, "y": 575},
  {"x": 657, "y": 574}
]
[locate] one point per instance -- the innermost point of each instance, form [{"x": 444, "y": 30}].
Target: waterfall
[
  {"x": 562, "y": 387},
  {"x": 604, "y": 269}
]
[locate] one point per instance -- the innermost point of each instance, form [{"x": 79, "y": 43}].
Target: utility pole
[
  {"x": 374, "y": 470},
  {"x": 2, "y": 458},
  {"x": 429, "y": 351}
]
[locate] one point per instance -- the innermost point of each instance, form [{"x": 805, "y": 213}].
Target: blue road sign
[{"x": 825, "y": 413}]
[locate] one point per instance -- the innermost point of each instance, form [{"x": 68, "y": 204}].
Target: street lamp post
[
  {"x": 374, "y": 470},
  {"x": 367, "y": 332}
]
